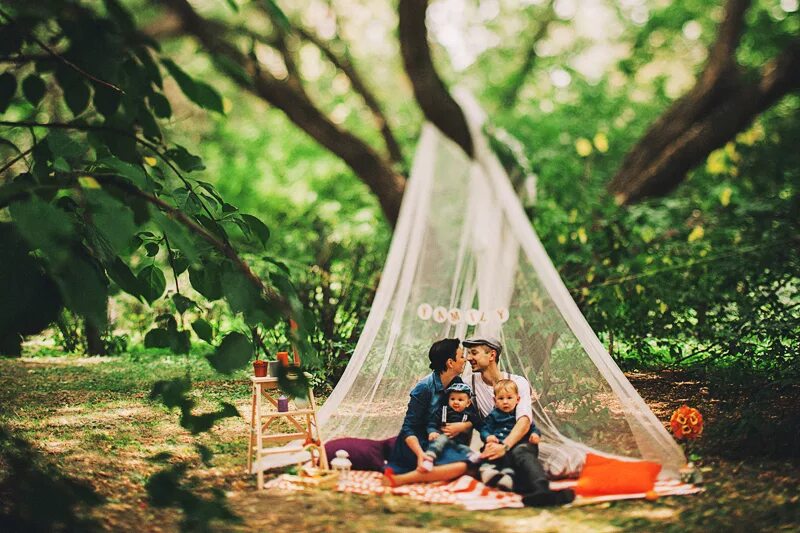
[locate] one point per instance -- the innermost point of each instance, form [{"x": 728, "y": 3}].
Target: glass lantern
[{"x": 342, "y": 464}]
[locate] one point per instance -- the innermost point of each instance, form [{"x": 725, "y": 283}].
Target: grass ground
[{"x": 91, "y": 419}]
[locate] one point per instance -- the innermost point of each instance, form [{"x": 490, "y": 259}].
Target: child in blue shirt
[
  {"x": 496, "y": 427},
  {"x": 457, "y": 409}
]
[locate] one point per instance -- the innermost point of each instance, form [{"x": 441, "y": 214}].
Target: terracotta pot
[
  {"x": 260, "y": 368},
  {"x": 283, "y": 357}
]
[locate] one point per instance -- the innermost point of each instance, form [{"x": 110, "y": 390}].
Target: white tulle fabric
[{"x": 463, "y": 242}]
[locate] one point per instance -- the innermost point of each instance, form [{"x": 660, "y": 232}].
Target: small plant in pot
[{"x": 259, "y": 367}]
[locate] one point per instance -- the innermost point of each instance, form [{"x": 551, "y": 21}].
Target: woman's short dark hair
[{"x": 441, "y": 351}]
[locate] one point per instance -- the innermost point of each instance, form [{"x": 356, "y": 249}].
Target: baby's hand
[
  {"x": 433, "y": 436},
  {"x": 535, "y": 438},
  {"x": 492, "y": 438}
]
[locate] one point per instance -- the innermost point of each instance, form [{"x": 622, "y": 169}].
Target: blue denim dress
[{"x": 427, "y": 397}]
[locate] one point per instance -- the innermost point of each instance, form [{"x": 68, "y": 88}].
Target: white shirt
[{"x": 484, "y": 395}]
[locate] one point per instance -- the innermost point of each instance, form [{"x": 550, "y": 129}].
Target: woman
[{"x": 405, "y": 462}]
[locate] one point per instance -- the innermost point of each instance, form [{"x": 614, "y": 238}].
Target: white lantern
[{"x": 342, "y": 464}]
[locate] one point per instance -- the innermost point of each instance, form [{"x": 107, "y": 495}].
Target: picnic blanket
[{"x": 465, "y": 492}]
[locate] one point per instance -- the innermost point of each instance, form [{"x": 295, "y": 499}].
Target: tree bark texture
[
  {"x": 290, "y": 97},
  {"x": 433, "y": 97},
  {"x": 723, "y": 102}
]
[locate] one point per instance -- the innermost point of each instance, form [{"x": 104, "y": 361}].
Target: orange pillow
[{"x": 603, "y": 475}]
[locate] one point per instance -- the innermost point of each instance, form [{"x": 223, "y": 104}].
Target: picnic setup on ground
[{"x": 522, "y": 404}]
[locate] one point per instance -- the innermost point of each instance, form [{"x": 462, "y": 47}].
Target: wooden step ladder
[{"x": 263, "y": 414}]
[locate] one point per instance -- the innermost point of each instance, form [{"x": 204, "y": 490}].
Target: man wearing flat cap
[{"x": 483, "y": 354}]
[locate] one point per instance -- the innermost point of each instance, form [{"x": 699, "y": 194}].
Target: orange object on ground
[
  {"x": 603, "y": 475},
  {"x": 686, "y": 423}
]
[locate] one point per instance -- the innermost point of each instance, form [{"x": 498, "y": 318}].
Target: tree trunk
[
  {"x": 94, "y": 340},
  {"x": 429, "y": 90}
]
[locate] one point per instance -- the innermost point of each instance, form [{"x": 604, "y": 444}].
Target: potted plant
[{"x": 259, "y": 367}]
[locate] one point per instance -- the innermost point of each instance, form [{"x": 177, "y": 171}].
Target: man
[{"x": 483, "y": 355}]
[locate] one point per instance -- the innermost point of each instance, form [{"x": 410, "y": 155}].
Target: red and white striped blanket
[{"x": 466, "y": 492}]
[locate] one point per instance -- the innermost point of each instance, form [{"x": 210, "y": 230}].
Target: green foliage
[{"x": 707, "y": 275}]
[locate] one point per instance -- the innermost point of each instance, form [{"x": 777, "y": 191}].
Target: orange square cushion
[{"x": 603, "y": 475}]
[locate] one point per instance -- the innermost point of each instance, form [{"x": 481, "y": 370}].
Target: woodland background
[{"x": 180, "y": 179}]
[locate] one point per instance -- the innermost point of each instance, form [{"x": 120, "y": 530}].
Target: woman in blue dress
[{"x": 405, "y": 462}]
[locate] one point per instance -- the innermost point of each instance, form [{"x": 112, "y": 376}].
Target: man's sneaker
[
  {"x": 490, "y": 475},
  {"x": 548, "y": 498},
  {"x": 506, "y": 481}
]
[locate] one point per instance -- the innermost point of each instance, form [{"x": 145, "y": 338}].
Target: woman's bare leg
[{"x": 439, "y": 473}]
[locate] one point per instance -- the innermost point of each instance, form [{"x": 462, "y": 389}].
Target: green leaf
[
  {"x": 157, "y": 338},
  {"x": 122, "y": 275},
  {"x": 150, "y": 66},
  {"x": 33, "y": 87},
  {"x": 151, "y": 248},
  {"x": 121, "y": 145},
  {"x": 197, "y": 91},
  {"x": 180, "y": 237},
  {"x": 63, "y": 145},
  {"x": 120, "y": 15},
  {"x": 114, "y": 220},
  {"x": 152, "y": 283},
  {"x": 184, "y": 159},
  {"x": 233, "y": 353},
  {"x": 257, "y": 227},
  {"x": 77, "y": 95},
  {"x": 84, "y": 286},
  {"x": 277, "y": 14},
  {"x": 203, "y": 329},
  {"x": 45, "y": 227},
  {"x": 233, "y": 69},
  {"x": 134, "y": 172},
  {"x": 179, "y": 341},
  {"x": 11, "y": 39},
  {"x": 182, "y": 303},
  {"x": 149, "y": 125},
  {"x": 207, "y": 281},
  {"x": 8, "y": 86},
  {"x": 233, "y": 6},
  {"x": 243, "y": 297},
  {"x": 160, "y": 105},
  {"x": 106, "y": 100},
  {"x": 61, "y": 165},
  {"x": 293, "y": 381},
  {"x": 179, "y": 265}
]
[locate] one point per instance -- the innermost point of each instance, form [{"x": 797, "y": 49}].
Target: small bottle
[{"x": 283, "y": 404}]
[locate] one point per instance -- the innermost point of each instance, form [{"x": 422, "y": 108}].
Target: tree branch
[
  {"x": 289, "y": 97},
  {"x": 433, "y": 97},
  {"x": 517, "y": 80},
  {"x": 723, "y": 102},
  {"x": 359, "y": 86}
]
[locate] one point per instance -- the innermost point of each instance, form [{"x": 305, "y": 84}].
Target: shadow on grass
[{"x": 36, "y": 496}]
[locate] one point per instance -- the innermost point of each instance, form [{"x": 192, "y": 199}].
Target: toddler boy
[
  {"x": 496, "y": 427},
  {"x": 457, "y": 409}
]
